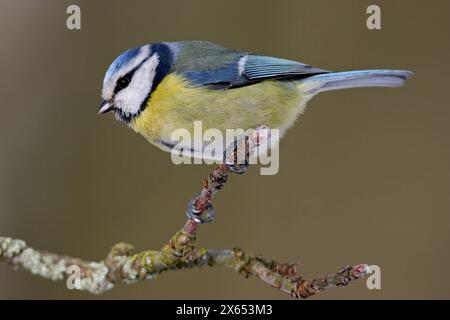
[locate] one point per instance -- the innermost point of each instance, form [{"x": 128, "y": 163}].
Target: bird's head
[{"x": 131, "y": 78}]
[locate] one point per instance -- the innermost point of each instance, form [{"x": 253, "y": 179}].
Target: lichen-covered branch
[{"x": 124, "y": 265}]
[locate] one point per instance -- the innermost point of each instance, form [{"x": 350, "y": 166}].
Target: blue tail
[{"x": 354, "y": 79}]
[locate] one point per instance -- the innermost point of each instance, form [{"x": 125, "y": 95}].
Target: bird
[{"x": 160, "y": 87}]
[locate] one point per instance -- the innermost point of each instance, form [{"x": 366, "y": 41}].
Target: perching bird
[{"x": 160, "y": 87}]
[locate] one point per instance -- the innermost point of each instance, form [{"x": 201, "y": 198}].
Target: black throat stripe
[{"x": 165, "y": 64}]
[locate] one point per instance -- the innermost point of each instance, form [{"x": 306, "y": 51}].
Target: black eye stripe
[{"x": 125, "y": 80}]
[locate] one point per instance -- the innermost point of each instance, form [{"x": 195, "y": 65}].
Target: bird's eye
[{"x": 122, "y": 83}]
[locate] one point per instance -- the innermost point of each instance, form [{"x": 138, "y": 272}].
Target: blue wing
[
  {"x": 245, "y": 69},
  {"x": 258, "y": 68}
]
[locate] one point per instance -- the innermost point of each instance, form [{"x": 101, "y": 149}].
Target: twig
[{"x": 124, "y": 265}]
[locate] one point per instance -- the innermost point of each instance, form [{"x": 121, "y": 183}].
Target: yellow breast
[{"x": 177, "y": 104}]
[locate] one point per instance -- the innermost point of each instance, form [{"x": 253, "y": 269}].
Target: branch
[{"x": 124, "y": 265}]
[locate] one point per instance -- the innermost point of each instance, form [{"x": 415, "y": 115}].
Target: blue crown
[{"x": 122, "y": 60}]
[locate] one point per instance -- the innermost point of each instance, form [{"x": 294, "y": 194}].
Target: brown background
[{"x": 364, "y": 176}]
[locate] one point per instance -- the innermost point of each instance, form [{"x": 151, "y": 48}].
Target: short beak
[{"x": 105, "y": 107}]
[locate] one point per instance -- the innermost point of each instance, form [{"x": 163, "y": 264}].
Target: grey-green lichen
[
  {"x": 53, "y": 267},
  {"x": 97, "y": 281},
  {"x": 129, "y": 272},
  {"x": 9, "y": 247},
  {"x": 42, "y": 264}
]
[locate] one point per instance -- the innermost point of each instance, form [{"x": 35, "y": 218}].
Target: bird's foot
[
  {"x": 237, "y": 156},
  {"x": 201, "y": 210}
]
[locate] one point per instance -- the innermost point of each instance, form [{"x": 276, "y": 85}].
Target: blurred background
[{"x": 364, "y": 176}]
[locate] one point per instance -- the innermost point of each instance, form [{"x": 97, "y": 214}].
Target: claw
[
  {"x": 238, "y": 168},
  {"x": 236, "y": 156},
  {"x": 196, "y": 215}
]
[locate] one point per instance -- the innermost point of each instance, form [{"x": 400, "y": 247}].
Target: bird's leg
[
  {"x": 242, "y": 148},
  {"x": 238, "y": 154},
  {"x": 201, "y": 205}
]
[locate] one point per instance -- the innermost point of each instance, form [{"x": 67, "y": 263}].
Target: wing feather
[
  {"x": 263, "y": 67},
  {"x": 217, "y": 68}
]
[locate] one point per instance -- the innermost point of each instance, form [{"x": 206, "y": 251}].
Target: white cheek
[{"x": 131, "y": 98}]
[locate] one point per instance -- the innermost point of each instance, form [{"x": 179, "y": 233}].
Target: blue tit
[{"x": 161, "y": 87}]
